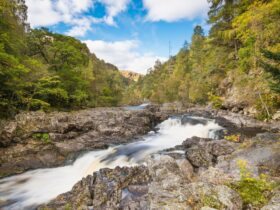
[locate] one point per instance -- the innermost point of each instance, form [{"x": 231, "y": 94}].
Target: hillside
[
  {"x": 236, "y": 66},
  {"x": 133, "y": 76},
  {"x": 44, "y": 70}
]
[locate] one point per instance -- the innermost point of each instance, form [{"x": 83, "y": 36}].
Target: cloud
[
  {"x": 72, "y": 12},
  {"x": 51, "y": 12},
  {"x": 123, "y": 54},
  {"x": 113, "y": 8},
  {"x": 42, "y": 13},
  {"x": 81, "y": 27},
  {"x": 174, "y": 10}
]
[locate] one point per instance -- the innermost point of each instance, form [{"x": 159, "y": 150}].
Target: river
[{"x": 32, "y": 188}]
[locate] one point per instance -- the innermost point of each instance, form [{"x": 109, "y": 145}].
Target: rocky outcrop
[
  {"x": 164, "y": 183},
  {"x": 107, "y": 189},
  {"x": 228, "y": 119},
  {"x": 132, "y": 76},
  {"x": 36, "y": 139},
  {"x": 200, "y": 179}
]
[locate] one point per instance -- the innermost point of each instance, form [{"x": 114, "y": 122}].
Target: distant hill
[{"x": 131, "y": 75}]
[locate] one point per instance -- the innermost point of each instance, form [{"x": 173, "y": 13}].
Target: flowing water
[
  {"x": 35, "y": 187},
  {"x": 140, "y": 107}
]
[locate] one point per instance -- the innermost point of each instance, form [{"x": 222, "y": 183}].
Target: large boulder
[{"x": 203, "y": 152}]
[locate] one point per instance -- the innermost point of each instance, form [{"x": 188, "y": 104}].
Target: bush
[
  {"x": 37, "y": 104},
  {"x": 215, "y": 100},
  {"x": 252, "y": 190},
  {"x": 44, "y": 137}
]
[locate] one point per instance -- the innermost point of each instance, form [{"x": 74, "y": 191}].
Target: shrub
[
  {"x": 252, "y": 190},
  {"x": 37, "y": 104},
  {"x": 215, "y": 100},
  {"x": 44, "y": 137}
]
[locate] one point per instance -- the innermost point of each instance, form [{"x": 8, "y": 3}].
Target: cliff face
[
  {"x": 21, "y": 13},
  {"x": 131, "y": 75}
]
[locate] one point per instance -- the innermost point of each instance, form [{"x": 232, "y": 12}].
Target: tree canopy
[
  {"x": 237, "y": 62},
  {"x": 44, "y": 70}
]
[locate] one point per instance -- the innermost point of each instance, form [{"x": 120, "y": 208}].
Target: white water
[
  {"x": 139, "y": 107},
  {"x": 39, "y": 186}
]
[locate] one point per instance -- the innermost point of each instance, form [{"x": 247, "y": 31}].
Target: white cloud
[
  {"x": 81, "y": 26},
  {"x": 113, "y": 8},
  {"x": 42, "y": 13},
  {"x": 123, "y": 54},
  {"x": 173, "y": 10},
  {"x": 70, "y": 12},
  {"x": 52, "y": 12}
]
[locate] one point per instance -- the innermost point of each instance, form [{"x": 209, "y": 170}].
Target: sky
[{"x": 131, "y": 34}]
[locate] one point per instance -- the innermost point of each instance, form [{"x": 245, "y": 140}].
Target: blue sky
[{"x": 131, "y": 34}]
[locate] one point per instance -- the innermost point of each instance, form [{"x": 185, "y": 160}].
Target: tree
[{"x": 272, "y": 66}]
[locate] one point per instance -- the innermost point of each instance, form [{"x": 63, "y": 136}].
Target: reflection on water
[{"x": 39, "y": 186}]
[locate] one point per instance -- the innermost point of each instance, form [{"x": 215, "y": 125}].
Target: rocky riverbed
[
  {"x": 37, "y": 140},
  {"x": 200, "y": 173},
  {"x": 195, "y": 175}
]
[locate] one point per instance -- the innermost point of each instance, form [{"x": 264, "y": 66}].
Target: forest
[
  {"x": 236, "y": 64},
  {"x": 41, "y": 70}
]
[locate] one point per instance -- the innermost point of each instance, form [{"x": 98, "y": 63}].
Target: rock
[
  {"x": 68, "y": 134},
  {"x": 7, "y": 134},
  {"x": 276, "y": 116},
  {"x": 186, "y": 168},
  {"x": 167, "y": 182},
  {"x": 222, "y": 147},
  {"x": 202, "y": 152},
  {"x": 207, "y": 208},
  {"x": 195, "y": 141},
  {"x": 213, "y": 175},
  {"x": 199, "y": 157},
  {"x": 124, "y": 188},
  {"x": 274, "y": 203},
  {"x": 172, "y": 107},
  {"x": 186, "y": 119}
]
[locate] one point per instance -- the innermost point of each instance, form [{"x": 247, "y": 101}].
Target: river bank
[
  {"x": 200, "y": 174},
  {"x": 72, "y": 133},
  {"x": 39, "y": 140}
]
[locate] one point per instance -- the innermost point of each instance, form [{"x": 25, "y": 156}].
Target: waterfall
[{"x": 36, "y": 187}]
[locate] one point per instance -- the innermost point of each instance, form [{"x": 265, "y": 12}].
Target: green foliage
[
  {"x": 44, "y": 70},
  {"x": 216, "y": 101},
  {"x": 36, "y": 104},
  {"x": 272, "y": 66},
  {"x": 239, "y": 57},
  {"x": 267, "y": 104},
  {"x": 68, "y": 206},
  {"x": 252, "y": 190},
  {"x": 44, "y": 137}
]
